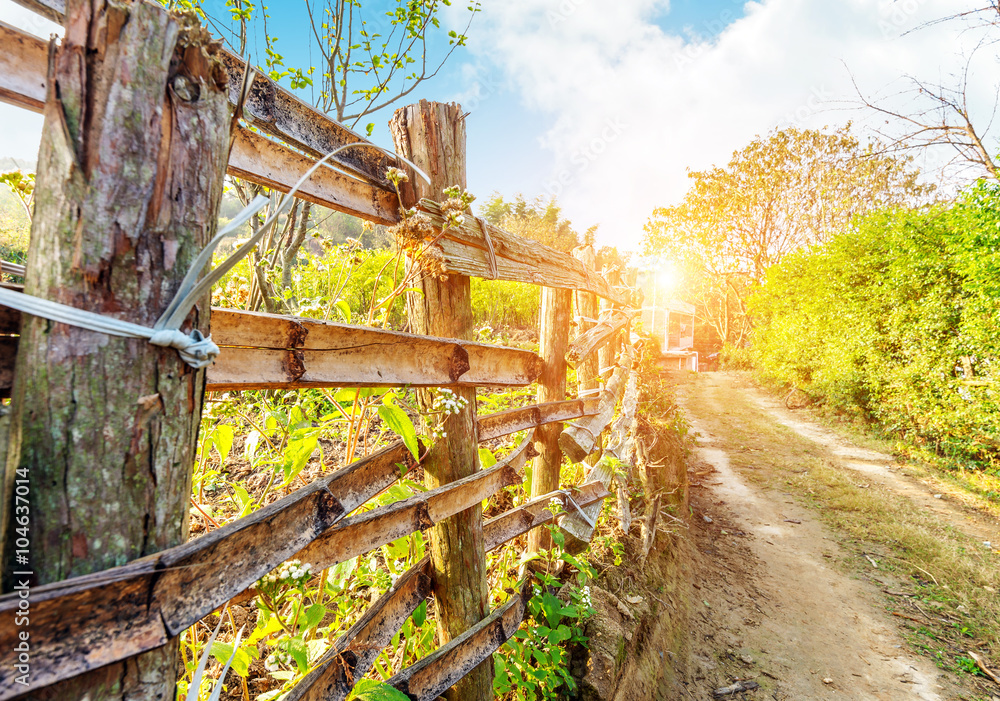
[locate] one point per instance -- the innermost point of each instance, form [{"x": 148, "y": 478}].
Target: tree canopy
[
  {"x": 791, "y": 189},
  {"x": 536, "y": 219}
]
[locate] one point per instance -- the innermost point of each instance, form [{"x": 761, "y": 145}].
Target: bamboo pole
[
  {"x": 432, "y": 135},
  {"x": 554, "y": 340}
]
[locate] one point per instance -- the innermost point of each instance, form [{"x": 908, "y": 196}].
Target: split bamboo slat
[
  {"x": 352, "y": 655},
  {"x": 514, "y": 420},
  {"x": 269, "y": 350},
  {"x": 87, "y": 622},
  {"x": 276, "y": 111},
  {"x": 597, "y": 336},
  {"x": 434, "y": 674},
  {"x": 365, "y": 532},
  {"x": 465, "y": 250},
  {"x": 578, "y": 440},
  {"x": 265, "y": 351}
]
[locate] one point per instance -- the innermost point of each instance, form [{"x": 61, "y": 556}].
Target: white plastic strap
[{"x": 195, "y": 349}]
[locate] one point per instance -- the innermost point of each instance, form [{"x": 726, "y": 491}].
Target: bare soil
[{"x": 779, "y": 600}]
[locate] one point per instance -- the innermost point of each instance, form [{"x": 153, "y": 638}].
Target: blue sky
[{"x": 607, "y": 106}]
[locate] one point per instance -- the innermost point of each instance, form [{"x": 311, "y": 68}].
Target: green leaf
[
  {"x": 371, "y": 690},
  {"x": 560, "y": 634},
  {"x": 314, "y": 615},
  {"x": 299, "y": 652},
  {"x": 223, "y": 440},
  {"x": 241, "y": 662},
  {"x": 551, "y": 608},
  {"x": 399, "y": 548},
  {"x": 339, "y": 575},
  {"x": 346, "y": 396},
  {"x": 297, "y": 455},
  {"x": 420, "y": 614},
  {"x": 527, "y": 557},
  {"x": 344, "y": 308},
  {"x": 486, "y": 458},
  {"x": 397, "y": 420},
  {"x": 244, "y": 499}
]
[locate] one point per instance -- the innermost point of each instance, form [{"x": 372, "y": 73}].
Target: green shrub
[
  {"x": 895, "y": 320},
  {"x": 735, "y": 357},
  {"x": 502, "y": 304}
]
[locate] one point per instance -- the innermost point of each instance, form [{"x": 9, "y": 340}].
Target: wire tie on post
[
  {"x": 195, "y": 349},
  {"x": 491, "y": 256},
  {"x": 583, "y": 515}
]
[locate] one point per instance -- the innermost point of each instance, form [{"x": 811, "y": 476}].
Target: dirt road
[{"x": 783, "y": 604}]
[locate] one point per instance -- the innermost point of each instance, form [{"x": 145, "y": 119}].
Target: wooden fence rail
[
  {"x": 266, "y": 351},
  {"x": 351, "y": 656},
  {"x": 87, "y": 622}
]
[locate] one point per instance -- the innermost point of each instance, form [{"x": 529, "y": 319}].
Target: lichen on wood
[{"x": 130, "y": 174}]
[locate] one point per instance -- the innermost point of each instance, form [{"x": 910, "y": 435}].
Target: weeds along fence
[{"x": 87, "y": 622}]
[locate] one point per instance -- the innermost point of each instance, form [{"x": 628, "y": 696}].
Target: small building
[{"x": 671, "y": 322}]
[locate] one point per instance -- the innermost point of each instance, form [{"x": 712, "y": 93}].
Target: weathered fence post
[
  {"x": 432, "y": 135},
  {"x": 103, "y": 429},
  {"x": 606, "y": 355},
  {"x": 553, "y": 343},
  {"x": 586, "y": 306}
]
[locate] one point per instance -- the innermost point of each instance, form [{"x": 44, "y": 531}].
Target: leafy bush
[
  {"x": 735, "y": 357},
  {"x": 503, "y": 304},
  {"x": 534, "y": 664},
  {"x": 894, "y": 320}
]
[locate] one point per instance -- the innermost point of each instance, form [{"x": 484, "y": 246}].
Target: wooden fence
[{"x": 87, "y": 622}]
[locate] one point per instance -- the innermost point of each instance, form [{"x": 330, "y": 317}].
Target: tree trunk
[
  {"x": 554, "y": 341},
  {"x": 432, "y": 135},
  {"x": 289, "y": 256},
  {"x": 103, "y": 428}
]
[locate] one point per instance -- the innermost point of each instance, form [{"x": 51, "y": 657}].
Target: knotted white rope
[{"x": 195, "y": 349}]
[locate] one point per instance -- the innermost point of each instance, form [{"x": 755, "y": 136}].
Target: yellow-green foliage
[
  {"x": 15, "y": 228},
  {"x": 896, "y": 319},
  {"x": 502, "y": 304}
]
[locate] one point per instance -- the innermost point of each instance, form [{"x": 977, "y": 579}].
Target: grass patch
[{"x": 975, "y": 486}]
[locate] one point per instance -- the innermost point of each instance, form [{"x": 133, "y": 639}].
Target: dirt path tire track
[{"x": 775, "y": 606}]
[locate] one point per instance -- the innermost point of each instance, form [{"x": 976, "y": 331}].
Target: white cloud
[{"x": 633, "y": 107}]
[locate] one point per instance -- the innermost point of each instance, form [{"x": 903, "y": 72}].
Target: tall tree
[
  {"x": 373, "y": 60},
  {"x": 938, "y": 113},
  {"x": 370, "y": 59},
  {"x": 536, "y": 219},
  {"x": 791, "y": 189}
]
